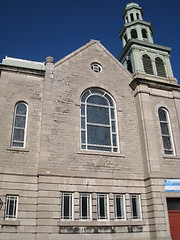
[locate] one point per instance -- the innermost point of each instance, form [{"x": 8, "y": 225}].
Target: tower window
[
  {"x": 132, "y": 17},
  {"x": 160, "y": 67},
  {"x": 129, "y": 66},
  {"x": 137, "y": 15},
  {"x": 127, "y": 19},
  {"x": 125, "y": 38},
  {"x": 144, "y": 33},
  {"x": 147, "y": 64},
  {"x": 134, "y": 34},
  {"x": 98, "y": 121},
  {"x": 19, "y": 125},
  {"x": 166, "y": 131}
]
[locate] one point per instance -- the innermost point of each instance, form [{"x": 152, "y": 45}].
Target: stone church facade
[{"x": 90, "y": 145}]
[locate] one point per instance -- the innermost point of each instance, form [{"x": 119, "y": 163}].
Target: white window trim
[
  {"x": 6, "y": 211},
  {"x": 124, "y": 207},
  {"x": 139, "y": 207},
  {"x": 86, "y": 144},
  {"x": 13, "y": 127},
  {"x": 72, "y": 207},
  {"x": 170, "y": 133},
  {"x": 90, "y": 207},
  {"x": 107, "y": 207}
]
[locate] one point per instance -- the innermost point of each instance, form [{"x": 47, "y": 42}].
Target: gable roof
[{"x": 87, "y": 45}]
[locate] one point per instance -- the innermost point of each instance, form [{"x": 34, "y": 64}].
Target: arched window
[
  {"x": 132, "y": 17},
  {"x": 166, "y": 131},
  {"x": 98, "y": 121},
  {"x": 19, "y": 125},
  {"x": 137, "y": 15},
  {"x": 129, "y": 65},
  {"x": 147, "y": 64},
  {"x": 160, "y": 67},
  {"x": 144, "y": 33},
  {"x": 125, "y": 38},
  {"x": 134, "y": 34}
]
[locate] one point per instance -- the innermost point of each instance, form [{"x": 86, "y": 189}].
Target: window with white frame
[
  {"x": 98, "y": 121},
  {"x": 67, "y": 202},
  {"x": 119, "y": 206},
  {"x": 19, "y": 125},
  {"x": 96, "y": 67},
  {"x": 166, "y": 131},
  {"x": 85, "y": 206},
  {"x": 102, "y": 206},
  {"x": 11, "y": 207},
  {"x": 135, "y": 201}
]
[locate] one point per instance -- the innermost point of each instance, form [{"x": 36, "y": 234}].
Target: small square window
[
  {"x": 67, "y": 206},
  {"x": 11, "y": 207},
  {"x": 85, "y": 206},
  {"x": 119, "y": 206},
  {"x": 135, "y": 207},
  {"x": 102, "y": 206}
]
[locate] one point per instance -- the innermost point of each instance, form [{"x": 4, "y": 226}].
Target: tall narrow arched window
[
  {"x": 144, "y": 33},
  {"x": 132, "y": 17},
  {"x": 147, "y": 64},
  {"x": 98, "y": 121},
  {"x": 129, "y": 66},
  {"x": 160, "y": 67},
  {"x": 19, "y": 125},
  {"x": 125, "y": 38},
  {"x": 166, "y": 131},
  {"x": 134, "y": 33}
]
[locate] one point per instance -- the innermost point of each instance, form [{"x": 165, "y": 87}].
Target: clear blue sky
[{"x": 38, "y": 28}]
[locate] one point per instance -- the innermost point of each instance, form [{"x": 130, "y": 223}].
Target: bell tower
[{"x": 139, "y": 54}]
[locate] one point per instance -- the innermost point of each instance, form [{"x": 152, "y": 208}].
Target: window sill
[
  {"x": 111, "y": 154},
  {"x": 16, "y": 149},
  {"x": 170, "y": 157},
  {"x": 95, "y": 223},
  {"x": 8, "y": 222}
]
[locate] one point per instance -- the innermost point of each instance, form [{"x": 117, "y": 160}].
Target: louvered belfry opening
[
  {"x": 134, "y": 34},
  {"x": 144, "y": 33},
  {"x": 160, "y": 67},
  {"x": 147, "y": 64}
]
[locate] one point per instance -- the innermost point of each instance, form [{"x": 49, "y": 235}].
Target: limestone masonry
[{"x": 90, "y": 145}]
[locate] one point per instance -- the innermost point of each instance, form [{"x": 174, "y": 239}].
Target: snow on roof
[{"x": 16, "y": 62}]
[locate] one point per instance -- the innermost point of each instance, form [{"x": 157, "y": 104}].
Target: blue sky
[{"x": 36, "y": 29}]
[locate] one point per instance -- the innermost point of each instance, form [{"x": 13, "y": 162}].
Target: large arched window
[
  {"x": 160, "y": 67},
  {"x": 147, "y": 64},
  {"x": 98, "y": 121},
  {"x": 19, "y": 125},
  {"x": 166, "y": 131}
]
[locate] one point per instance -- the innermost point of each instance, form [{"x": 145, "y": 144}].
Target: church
[{"x": 90, "y": 145}]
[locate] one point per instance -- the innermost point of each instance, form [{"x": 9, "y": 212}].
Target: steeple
[{"x": 139, "y": 54}]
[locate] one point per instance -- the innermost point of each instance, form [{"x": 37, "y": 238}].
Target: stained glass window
[
  {"x": 166, "y": 131},
  {"x": 98, "y": 121},
  {"x": 19, "y": 125}
]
